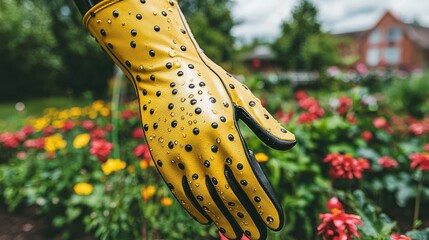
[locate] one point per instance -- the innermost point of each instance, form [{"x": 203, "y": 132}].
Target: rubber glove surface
[{"x": 189, "y": 109}]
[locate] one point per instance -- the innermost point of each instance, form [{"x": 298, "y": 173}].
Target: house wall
[{"x": 411, "y": 56}]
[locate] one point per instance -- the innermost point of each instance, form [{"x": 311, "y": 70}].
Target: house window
[
  {"x": 392, "y": 55},
  {"x": 373, "y": 56},
  {"x": 394, "y": 34},
  {"x": 375, "y": 36}
]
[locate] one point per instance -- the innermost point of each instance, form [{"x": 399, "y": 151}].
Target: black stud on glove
[{"x": 189, "y": 110}]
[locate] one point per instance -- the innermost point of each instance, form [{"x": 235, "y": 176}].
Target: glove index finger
[
  {"x": 250, "y": 110},
  {"x": 263, "y": 124}
]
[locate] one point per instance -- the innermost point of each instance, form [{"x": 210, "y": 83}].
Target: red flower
[
  {"x": 387, "y": 162},
  {"x": 380, "y": 122},
  {"x": 38, "y": 143},
  {"x": 345, "y": 166},
  {"x": 138, "y": 133},
  {"x": 97, "y": 133},
  {"x": 399, "y": 237},
  {"x": 88, "y": 125},
  {"x": 49, "y": 130},
  {"x": 306, "y": 117},
  {"x": 334, "y": 203},
  {"x": 366, "y": 136},
  {"x": 351, "y": 118},
  {"x": 9, "y": 140},
  {"x": 27, "y": 130},
  {"x": 283, "y": 117},
  {"x": 127, "y": 114},
  {"x": 344, "y": 105},
  {"x": 420, "y": 161},
  {"x": 108, "y": 127},
  {"x": 142, "y": 151},
  {"x": 222, "y": 237},
  {"x": 21, "y": 155},
  {"x": 338, "y": 225},
  {"x": 299, "y": 95},
  {"x": 101, "y": 148},
  {"x": 426, "y": 147},
  {"x": 308, "y": 103},
  {"x": 263, "y": 101},
  {"x": 68, "y": 125},
  {"x": 417, "y": 129}
]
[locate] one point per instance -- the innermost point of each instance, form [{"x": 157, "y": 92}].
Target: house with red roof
[{"x": 390, "y": 43}]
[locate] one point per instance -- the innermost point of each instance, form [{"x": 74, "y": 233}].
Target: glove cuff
[{"x": 85, "y": 5}]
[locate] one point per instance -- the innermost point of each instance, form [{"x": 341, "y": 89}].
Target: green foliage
[
  {"x": 383, "y": 197},
  {"x": 302, "y": 44},
  {"x": 28, "y": 64},
  {"x": 412, "y": 92},
  {"x": 211, "y": 23}
]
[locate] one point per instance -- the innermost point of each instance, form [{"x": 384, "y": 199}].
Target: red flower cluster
[
  {"x": 127, "y": 114},
  {"x": 338, "y": 225},
  {"x": 345, "y": 166},
  {"x": 426, "y": 148},
  {"x": 284, "y": 118},
  {"x": 68, "y": 125},
  {"x": 101, "y": 148},
  {"x": 97, "y": 133},
  {"x": 142, "y": 151},
  {"x": 311, "y": 105},
  {"x": 12, "y": 140},
  {"x": 88, "y": 125},
  {"x": 38, "y": 143},
  {"x": 420, "y": 161},
  {"x": 382, "y": 123},
  {"x": 9, "y": 140},
  {"x": 222, "y": 237},
  {"x": 387, "y": 162},
  {"x": 399, "y": 237},
  {"x": 367, "y": 136},
  {"x": 344, "y": 105},
  {"x": 138, "y": 133},
  {"x": 49, "y": 130}
]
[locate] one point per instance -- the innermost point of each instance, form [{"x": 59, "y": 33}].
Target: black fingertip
[
  {"x": 193, "y": 200},
  {"x": 262, "y": 133},
  {"x": 267, "y": 187},
  {"x": 219, "y": 203},
  {"x": 245, "y": 201}
]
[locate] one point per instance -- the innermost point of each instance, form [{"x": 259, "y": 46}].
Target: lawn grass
[{"x": 12, "y": 119}]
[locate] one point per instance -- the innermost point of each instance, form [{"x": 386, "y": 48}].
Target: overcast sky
[{"x": 262, "y": 18}]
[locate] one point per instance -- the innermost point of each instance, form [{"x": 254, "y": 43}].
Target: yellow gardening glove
[{"x": 189, "y": 110}]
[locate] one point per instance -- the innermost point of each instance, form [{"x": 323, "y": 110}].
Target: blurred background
[{"x": 348, "y": 77}]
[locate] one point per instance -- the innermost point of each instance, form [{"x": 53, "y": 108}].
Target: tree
[
  {"x": 211, "y": 23},
  {"x": 302, "y": 44},
  {"x": 28, "y": 64}
]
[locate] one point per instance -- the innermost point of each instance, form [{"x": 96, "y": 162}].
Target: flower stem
[
  {"x": 417, "y": 203},
  {"x": 115, "y": 112}
]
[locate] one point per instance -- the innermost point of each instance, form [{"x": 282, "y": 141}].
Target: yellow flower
[
  {"x": 83, "y": 188},
  {"x": 54, "y": 143},
  {"x": 97, "y": 105},
  {"x": 105, "y": 112},
  {"x": 131, "y": 169},
  {"x": 81, "y": 140},
  {"x": 144, "y": 164},
  {"x": 261, "y": 157},
  {"x": 40, "y": 123},
  {"x": 75, "y": 112},
  {"x": 112, "y": 165},
  {"x": 148, "y": 192},
  {"x": 166, "y": 201},
  {"x": 93, "y": 114},
  {"x": 64, "y": 114},
  {"x": 58, "y": 123}
]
